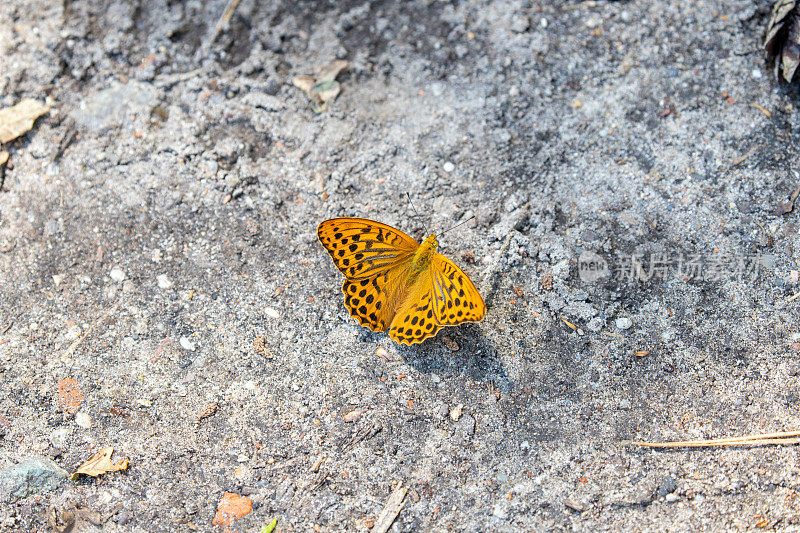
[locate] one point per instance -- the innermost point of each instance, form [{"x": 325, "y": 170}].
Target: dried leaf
[
  {"x": 304, "y": 83},
  {"x": 17, "y": 119},
  {"x": 326, "y": 90},
  {"x": 100, "y": 463},
  {"x": 3, "y": 157},
  {"x": 331, "y": 70},
  {"x": 323, "y": 88}
]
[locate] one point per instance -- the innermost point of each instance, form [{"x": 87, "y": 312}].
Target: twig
[
  {"x": 741, "y": 158},
  {"x": 763, "y": 439},
  {"x": 390, "y": 511},
  {"x": 6, "y": 328},
  {"x": 792, "y": 298},
  {"x": 223, "y": 20},
  {"x": 762, "y": 109}
]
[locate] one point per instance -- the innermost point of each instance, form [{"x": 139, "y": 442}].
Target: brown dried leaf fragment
[
  {"x": 782, "y": 43},
  {"x": 18, "y": 119},
  {"x": 100, "y": 463}
]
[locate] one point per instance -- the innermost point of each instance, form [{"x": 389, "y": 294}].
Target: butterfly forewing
[
  {"x": 456, "y": 298},
  {"x": 362, "y": 248}
]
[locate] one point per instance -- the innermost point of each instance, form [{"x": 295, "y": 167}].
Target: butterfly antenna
[
  {"x": 424, "y": 228},
  {"x": 458, "y": 225}
]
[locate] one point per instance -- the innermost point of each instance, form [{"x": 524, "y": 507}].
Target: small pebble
[
  {"x": 519, "y": 24},
  {"x": 83, "y": 420},
  {"x": 448, "y": 166},
  {"x": 450, "y": 343},
  {"x": 117, "y": 274},
  {"x": 186, "y": 344},
  {"x": 272, "y": 313},
  {"x": 623, "y": 323},
  {"x": 672, "y": 497},
  {"x": 595, "y": 325},
  {"x": 163, "y": 281},
  {"x": 57, "y": 279},
  {"x": 59, "y": 438},
  {"x": 354, "y": 415},
  {"x": 794, "y": 276},
  {"x": 455, "y": 412},
  {"x": 756, "y": 73},
  {"x": 525, "y": 445}
]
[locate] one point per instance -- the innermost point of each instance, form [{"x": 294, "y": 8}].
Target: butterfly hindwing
[
  {"x": 456, "y": 299},
  {"x": 369, "y": 300},
  {"x": 362, "y": 248},
  {"x": 416, "y": 320}
]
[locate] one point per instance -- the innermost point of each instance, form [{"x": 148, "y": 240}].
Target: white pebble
[
  {"x": 272, "y": 313},
  {"x": 794, "y": 276},
  {"x": 448, "y": 166},
  {"x": 83, "y": 420},
  {"x": 186, "y": 344},
  {"x": 73, "y": 332},
  {"x": 455, "y": 412},
  {"x": 57, "y": 279},
  {"x": 525, "y": 445},
  {"x": 756, "y": 73},
  {"x": 117, "y": 274},
  {"x": 623, "y": 323},
  {"x": 163, "y": 281},
  {"x": 543, "y": 22}
]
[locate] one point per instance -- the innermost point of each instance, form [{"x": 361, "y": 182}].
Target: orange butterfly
[{"x": 394, "y": 283}]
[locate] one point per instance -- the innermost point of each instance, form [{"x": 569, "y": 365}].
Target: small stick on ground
[
  {"x": 792, "y": 298},
  {"x": 390, "y": 511},
  {"x": 763, "y": 439},
  {"x": 744, "y": 156},
  {"x": 223, "y": 20},
  {"x": 762, "y": 109}
]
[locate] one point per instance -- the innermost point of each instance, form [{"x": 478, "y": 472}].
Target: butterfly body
[{"x": 395, "y": 284}]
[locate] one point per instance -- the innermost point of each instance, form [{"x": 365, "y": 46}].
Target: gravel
[{"x": 162, "y": 217}]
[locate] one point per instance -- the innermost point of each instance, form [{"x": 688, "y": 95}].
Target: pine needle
[{"x": 762, "y": 439}]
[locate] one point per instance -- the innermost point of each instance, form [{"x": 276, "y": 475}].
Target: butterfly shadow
[{"x": 475, "y": 356}]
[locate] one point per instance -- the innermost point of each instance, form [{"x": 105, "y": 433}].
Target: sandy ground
[{"x": 163, "y": 291}]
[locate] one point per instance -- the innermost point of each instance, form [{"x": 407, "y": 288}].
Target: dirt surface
[{"x": 158, "y": 247}]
